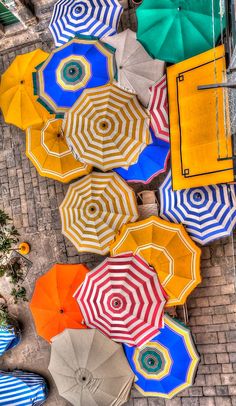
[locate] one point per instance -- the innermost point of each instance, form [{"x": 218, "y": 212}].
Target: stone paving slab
[{"x": 33, "y": 203}]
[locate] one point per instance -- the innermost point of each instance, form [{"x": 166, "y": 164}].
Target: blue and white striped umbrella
[
  {"x": 98, "y": 18},
  {"x": 207, "y": 212},
  {"x": 9, "y": 338},
  {"x": 22, "y": 388}
]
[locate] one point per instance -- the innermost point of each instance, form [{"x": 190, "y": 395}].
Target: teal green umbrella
[{"x": 174, "y": 30}]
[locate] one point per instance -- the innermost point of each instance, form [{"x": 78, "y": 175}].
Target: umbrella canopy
[
  {"x": 82, "y": 63},
  {"x": 169, "y": 249},
  {"x": 207, "y": 213},
  {"x": 89, "y": 369},
  {"x": 167, "y": 364},
  {"x": 200, "y": 139},
  {"x": 9, "y": 338},
  {"x": 136, "y": 70},
  {"x": 22, "y": 388},
  {"x": 123, "y": 298},
  {"x": 107, "y": 127},
  {"x": 47, "y": 149},
  {"x": 17, "y": 100},
  {"x": 94, "y": 209},
  {"x": 174, "y": 30},
  {"x": 151, "y": 162},
  {"x": 158, "y": 108},
  {"x": 88, "y": 17},
  {"x": 52, "y": 304}
]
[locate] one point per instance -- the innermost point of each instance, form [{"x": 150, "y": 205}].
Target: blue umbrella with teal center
[
  {"x": 167, "y": 364},
  {"x": 82, "y": 63}
]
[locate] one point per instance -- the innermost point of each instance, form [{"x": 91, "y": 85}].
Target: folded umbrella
[
  {"x": 151, "y": 162},
  {"x": 47, "y": 149},
  {"x": 22, "y": 388},
  {"x": 52, "y": 305},
  {"x": 158, "y": 108},
  {"x": 107, "y": 127},
  {"x": 136, "y": 70},
  {"x": 88, "y": 17},
  {"x": 89, "y": 369},
  {"x": 207, "y": 212},
  {"x": 167, "y": 364},
  {"x": 17, "y": 100},
  {"x": 82, "y": 63},
  {"x": 169, "y": 249},
  {"x": 123, "y": 298},
  {"x": 94, "y": 209},
  {"x": 174, "y": 30}
]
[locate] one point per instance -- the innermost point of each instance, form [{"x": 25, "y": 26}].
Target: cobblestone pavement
[{"x": 32, "y": 201}]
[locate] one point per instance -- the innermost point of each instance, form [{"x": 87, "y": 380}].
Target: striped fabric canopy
[
  {"x": 207, "y": 212},
  {"x": 151, "y": 162},
  {"x": 158, "y": 107},
  {"x": 123, "y": 298},
  {"x": 47, "y": 149},
  {"x": 82, "y": 63},
  {"x": 167, "y": 364},
  {"x": 22, "y": 388},
  {"x": 107, "y": 127},
  {"x": 94, "y": 209},
  {"x": 88, "y": 17},
  {"x": 9, "y": 338},
  {"x": 169, "y": 249}
]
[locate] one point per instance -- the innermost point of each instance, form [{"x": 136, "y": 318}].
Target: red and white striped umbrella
[
  {"x": 158, "y": 108},
  {"x": 123, "y": 298}
]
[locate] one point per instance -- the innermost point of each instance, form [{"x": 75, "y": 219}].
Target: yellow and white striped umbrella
[
  {"x": 94, "y": 209},
  {"x": 47, "y": 149},
  {"x": 107, "y": 127}
]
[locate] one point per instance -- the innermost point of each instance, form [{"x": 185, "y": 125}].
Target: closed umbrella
[
  {"x": 107, "y": 127},
  {"x": 22, "y": 388},
  {"x": 169, "y": 249},
  {"x": 94, "y": 209},
  {"x": 174, "y": 30},
  {"x": 89, "y": 369},
  {"x": 123, "y": 298},
  {"x": 158, "y": 108},
  {"x": 88, "y": 17},
  {"x": 207, "y": 213},
  {"x": 82, "y": 63},
  {"x": 17, "y": 100},
  {"x": 9, "y": 338},
  {"x": 52, "y": 305},
  {"x": 151, "y": 162},
  {"x": 47, "y": 149},
  {"x": 136, "y": 70},
  {"x": 167, "y": 364}
]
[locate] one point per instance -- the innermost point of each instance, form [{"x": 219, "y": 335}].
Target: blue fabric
[
  {"x": 9, "y": 338},
  {"x": 99, "y": 73},
  {"x": 151, "y": 162},
  {"x": 94, "y": 17},
  {"x": 207, "y": 212},
  {"x": 22, "y": 388},
  {"x": 181, "y": 362}
]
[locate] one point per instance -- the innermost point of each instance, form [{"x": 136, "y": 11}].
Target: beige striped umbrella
[
  {"x": 107, "y": 127},
  {"x": 94, "y": 209}
]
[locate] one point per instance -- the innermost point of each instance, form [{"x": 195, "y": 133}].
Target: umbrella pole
[{"x": 229, "y": 85}]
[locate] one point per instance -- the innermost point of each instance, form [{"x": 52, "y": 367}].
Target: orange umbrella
[{"x": 53, "y": 306}]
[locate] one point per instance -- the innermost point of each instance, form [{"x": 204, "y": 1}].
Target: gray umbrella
[{"x": 89, "y": 369}]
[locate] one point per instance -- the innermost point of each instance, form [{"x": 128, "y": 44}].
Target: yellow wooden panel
[{"x": 199, "y": 125}]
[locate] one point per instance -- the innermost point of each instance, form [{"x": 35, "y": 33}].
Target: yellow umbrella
[
  {"x": 17, "y": 100},
  {"x": 47, "y": 149},
  {"x": 94, "y": 209},
  {"x": 169, "y": 249},
  {"x": 199, "y": 122},
  {"x": 107, "y": 127}
]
